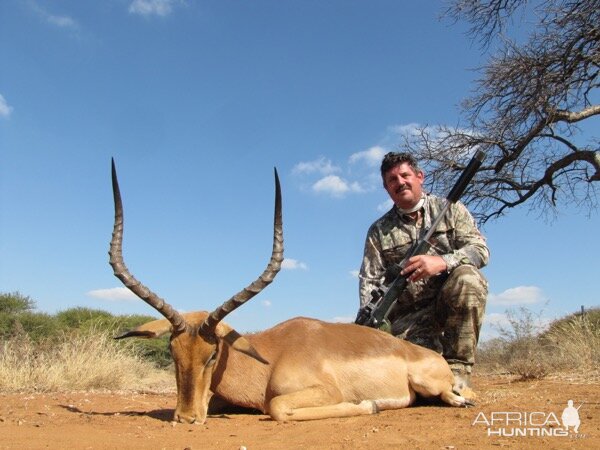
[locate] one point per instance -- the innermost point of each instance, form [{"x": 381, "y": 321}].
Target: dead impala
[{"x": 301, "y": 369}]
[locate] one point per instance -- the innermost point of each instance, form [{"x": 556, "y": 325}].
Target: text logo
[{"x": 536, "y": 423}]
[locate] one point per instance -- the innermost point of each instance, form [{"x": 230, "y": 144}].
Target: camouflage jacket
[{"x": 456, "y": 239}]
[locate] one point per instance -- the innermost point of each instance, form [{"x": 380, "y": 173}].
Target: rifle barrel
[{"x": 465, "y": 177}]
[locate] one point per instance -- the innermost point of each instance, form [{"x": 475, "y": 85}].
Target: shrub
[
  {"x": 13, "y": 303},
  {"x": 83, "y": 318},
  {"x": 36, "y": 325},
  {"x": 529, "y": 349},
  {"x": 82, "y": 360},
  {"x": 577, "y": 339},
  {"x": 18, "y": 318}
]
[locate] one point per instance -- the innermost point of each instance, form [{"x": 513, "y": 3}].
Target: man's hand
[{"x": 423, "y": 266}]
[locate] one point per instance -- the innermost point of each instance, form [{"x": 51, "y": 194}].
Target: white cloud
[
  {"x": 321, "y": 165},
  {"x": 293, "y": 264},
  {"x": 372, "y": 156},
  {"x": 336, "y": 186},
  {"x": 266, "y": 303},
  {"x": 61, "y": 21},
  {"x": 496, "y": 320},
  {"x": 354, "y": 273},
  {"x": 520, "y": 295},
  {"x": 385, "y": 206},
  {"x": 113, "y": 294},
  {"x": 360, "y": 174},
  {"x": 409, "y": 129},
  {"x": 152, "y": 7},
  {"x": 5, "y": 109}
]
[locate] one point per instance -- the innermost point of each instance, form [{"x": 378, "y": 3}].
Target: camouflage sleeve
[
  {"x": 372, "y": 269},
  {"x": 469, "y": 243}
]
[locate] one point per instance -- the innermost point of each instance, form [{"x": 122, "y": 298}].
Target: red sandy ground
[{"x": 83, "y": 420}]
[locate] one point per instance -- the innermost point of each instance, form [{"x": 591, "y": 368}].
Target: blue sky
[{"x": 197, "y": 101}]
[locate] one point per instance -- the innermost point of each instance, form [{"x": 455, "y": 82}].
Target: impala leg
[
  {"x": 344, "y": 409},
  {"x": 427, "y": 387},
  {"x": 316, "y": 403},
  {"x": 453, "y": 399},
  {"x": 434, "y": 384}
]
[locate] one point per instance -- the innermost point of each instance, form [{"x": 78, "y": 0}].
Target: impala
[{"x": 301, "y": 369}]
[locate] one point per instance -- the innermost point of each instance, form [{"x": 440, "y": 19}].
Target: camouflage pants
[{"x": 450, "y": 322}]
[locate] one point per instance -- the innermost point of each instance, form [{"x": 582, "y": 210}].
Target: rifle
[{"x": 375, "y": 313}]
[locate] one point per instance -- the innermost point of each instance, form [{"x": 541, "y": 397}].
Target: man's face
[{"x": 404, "y": 185}]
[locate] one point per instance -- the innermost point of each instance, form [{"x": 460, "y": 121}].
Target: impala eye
[{"x": 211, "y": 359}]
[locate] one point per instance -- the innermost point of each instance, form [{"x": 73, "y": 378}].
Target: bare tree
[{"x": 532, "y": 110}]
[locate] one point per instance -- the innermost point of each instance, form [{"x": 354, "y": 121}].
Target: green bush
[
  {"x": 36, "y": 325},
  {"x": 155, "y": 350},
  {"x": 13, "y": 303},
  {"x": 18, "y": 318},
  {"x": 83, "y": 318},
  {"x": 12, "y": 306},
  {"x": 128, "y": 322}
]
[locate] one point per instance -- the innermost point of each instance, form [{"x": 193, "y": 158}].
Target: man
[{"x": 442, "y": 307}]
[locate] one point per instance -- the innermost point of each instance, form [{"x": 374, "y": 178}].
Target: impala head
[{"x": 196, "y": 338}]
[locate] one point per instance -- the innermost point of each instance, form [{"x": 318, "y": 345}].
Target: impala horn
[
  {"x": 122, "y": 273},
  {"x": 274, "y": 265}
]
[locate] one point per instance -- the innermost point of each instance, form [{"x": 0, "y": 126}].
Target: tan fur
[{"x": 315, "y": 370}]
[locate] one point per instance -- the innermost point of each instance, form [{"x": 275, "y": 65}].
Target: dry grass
[
  {"x": 578, "y": 342},
  {"x": 569, "y": 348},
  {"x": 84, "y": 361}
]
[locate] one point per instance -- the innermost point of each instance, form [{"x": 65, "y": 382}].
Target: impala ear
[
  {"x": 149, "y": 330},
  {"x": 238, "y": 342}
]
